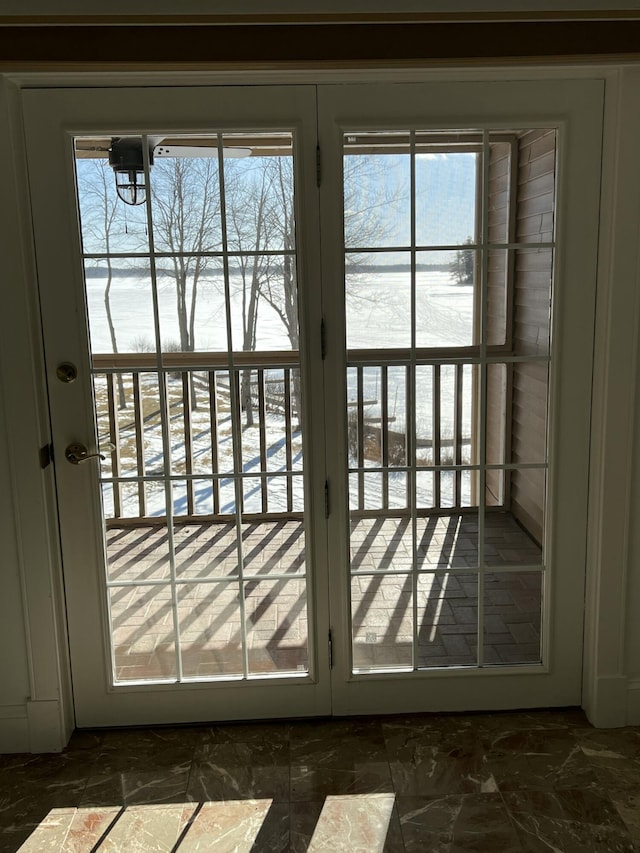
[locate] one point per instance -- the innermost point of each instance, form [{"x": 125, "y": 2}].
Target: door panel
[
  {"x": 196, "y": 588},
  {"x": 463, "y": 225}
]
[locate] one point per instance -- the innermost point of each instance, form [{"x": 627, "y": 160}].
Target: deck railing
[
  {"x": 202, "y": 397},
  {"x": 394, "y": 439},
  {"x": 410, "y": 428}
]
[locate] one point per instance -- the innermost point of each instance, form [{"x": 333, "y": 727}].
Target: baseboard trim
[
  {"x": 14, "y": 729},
  {"x": 45, "y": 726},
  {"x": 607, "y": 708},
  {"x": 633, "y": 702}
]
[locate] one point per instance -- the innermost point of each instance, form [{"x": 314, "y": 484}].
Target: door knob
[{"x": 77, "y": 453}]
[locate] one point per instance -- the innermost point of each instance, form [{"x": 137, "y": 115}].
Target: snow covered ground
[{"x": 378, "y": 315}]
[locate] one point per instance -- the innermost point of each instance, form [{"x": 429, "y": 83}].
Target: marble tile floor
[{"x": 491, "y": 783}]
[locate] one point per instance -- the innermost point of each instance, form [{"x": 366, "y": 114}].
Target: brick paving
[{"x": 443, "y": 597}]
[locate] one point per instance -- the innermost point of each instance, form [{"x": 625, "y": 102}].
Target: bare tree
[
  {"x": 99, "y": 209},
  {"x": 186, "y": 213},
  {"x": 250, "y": 224}
]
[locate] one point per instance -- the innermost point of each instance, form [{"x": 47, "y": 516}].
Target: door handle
[{"x": 77, "y": 453}]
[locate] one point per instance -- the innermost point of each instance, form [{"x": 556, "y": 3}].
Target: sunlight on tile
[
  {"x": 359, "y": 821},
  {"x": 72, "y": 830},
  {"x": 111, "y": 828},
  {"x": 226, "y": 827},
  {"x": 145, "y": 828}
]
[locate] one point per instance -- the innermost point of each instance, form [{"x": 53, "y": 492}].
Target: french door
[
  {"x": 318, "y": 364},
  {"x": 461, "y": 283},
  {"x": 179, "y": 282}
]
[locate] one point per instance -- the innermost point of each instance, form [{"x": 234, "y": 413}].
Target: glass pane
[
  {"x": 449, "y": 541},
  {"x": 106, "y": 496},
  {"x": 378, "y": 301},
  {"x": 264, "y": 303},
  {"x": 120, "y": 305},
  {"x": 512, "y": 617},
  {"x": 425, "y": 495},
  {"x": 376, "y": 416},
  {"x": 377, "y": 169},
  {"x": 455, "y": 489},
  {"x": 182, "y": 495},
  {"x": 259, "y": 194},
  {"x": 372, "y": 487},
  {"x": 129, "y": 494},
  {"x": 446, "y": 193},
  {"x": 273, "y": 548},
  {"x": 185, "y": 197},
  {"x": 517, "y": 537},
  {"x": 278, "y": 419},
  {"x": 499, "y": 289},
  {"x": 446, "y": 284},
  {"x": 191, "y": 306},
  {"x": 448, "y": 619},
  {"x": 499, "y": 382},
  {"x": 532, "y": 301},
  {"x": 381, "y": 544},
  {"x": 105, "y": 422},
  {"x": 181, "y": 391},
  {"x": 277, "y": 630},
  {"x": 426, "y": 415},
  {"x": 218, "y": 402},
  {"x": 529, "y": 412},
  {"x": 297, "y": 483},
  {"x": 210, "y": 630},
  {"x": 142, "y": 633},
  {"x": 536, "y": 186},
  {"x": 253, "y": 492},
  {"x": 382, "y": 621},
  {"x": 137, "y": 553},
  {"x": 107, "y": 224},
  {"x": 206, "y": 550},
  {"x": 155, "y": 493},
  {"x": 499, "y": 192},
  {"x": 293, "y": 410},
  {"x": 227, "y": 496},
  {"x": 203, "y": 497},
  {"x": 444, "y": 416},
  {"x": 507, "y": 541}
]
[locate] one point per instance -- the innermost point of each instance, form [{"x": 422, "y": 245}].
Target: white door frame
[{"x": 43, "y": 720}]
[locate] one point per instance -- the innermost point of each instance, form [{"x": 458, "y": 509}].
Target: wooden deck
[{"x": 401, "y": 618}]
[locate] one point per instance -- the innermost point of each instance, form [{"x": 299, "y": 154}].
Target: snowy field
[{"x": 378, "y": 316}]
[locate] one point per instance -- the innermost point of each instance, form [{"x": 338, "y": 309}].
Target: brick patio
[{"x": 446, "y": 592}]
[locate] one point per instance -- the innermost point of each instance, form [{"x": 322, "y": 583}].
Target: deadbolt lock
[{"x": 67, "y": 372}]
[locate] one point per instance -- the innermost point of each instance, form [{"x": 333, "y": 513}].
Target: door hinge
[
  {"x": 330, "y": 650},
  {"x": 318, "y": 166},
  {"x": 46, "y": 455},
  {"x": 326, "y": 499},
  {"x": 323, "y": 340}
]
